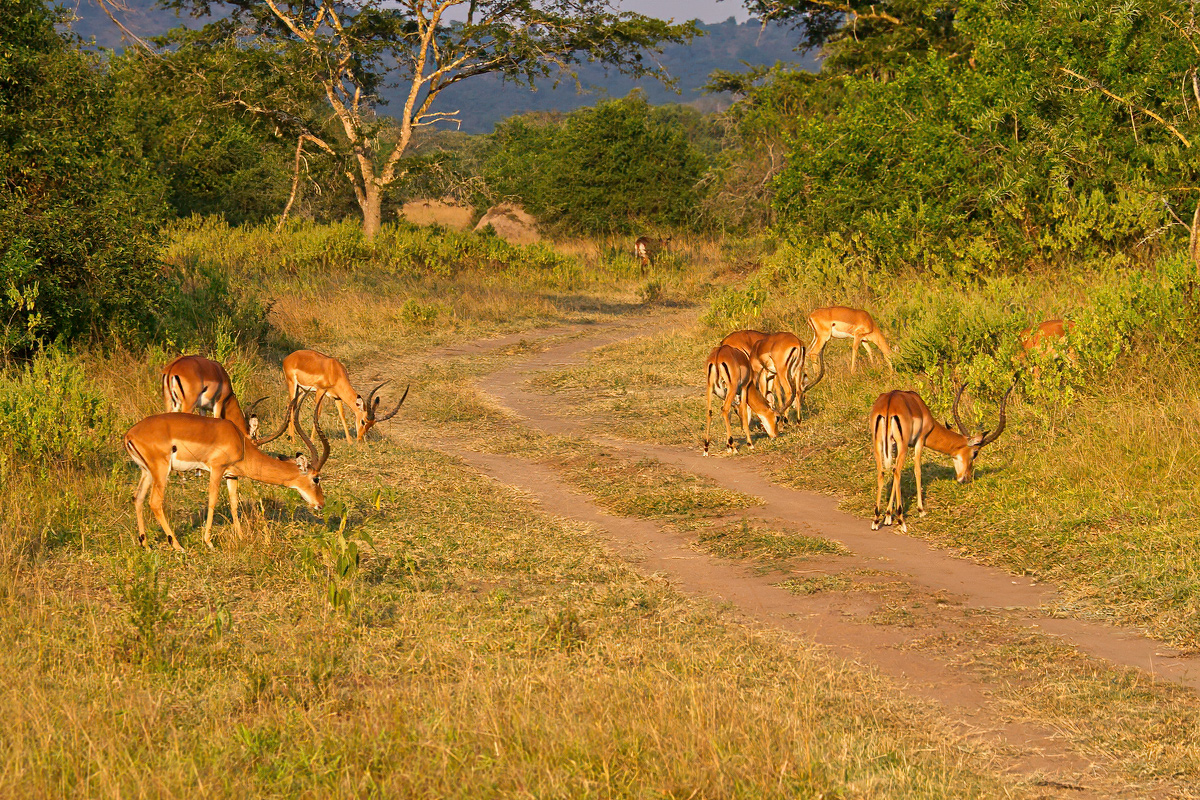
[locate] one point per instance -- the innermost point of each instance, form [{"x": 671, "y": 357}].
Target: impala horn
[
  {"x": 957, "y": 420},
  {"x": 287, "y": 416},
  {"x": 373, "y": 403},
  {"x": 988, "y": 438},
  {"x": 820, "y": 373},
  {"x": 316, "y": 462}
]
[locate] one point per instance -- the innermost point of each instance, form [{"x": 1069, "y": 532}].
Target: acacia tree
[{"x": 353, "y": 48}]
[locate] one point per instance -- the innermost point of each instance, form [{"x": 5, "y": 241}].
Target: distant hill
[{"x": 486, "y": 100}]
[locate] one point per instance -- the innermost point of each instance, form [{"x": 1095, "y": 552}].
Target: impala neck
[
  {"x": 944, "y": 440},
  {"x": 234, "y": 413},
  {"x": 258, "y": 466}
]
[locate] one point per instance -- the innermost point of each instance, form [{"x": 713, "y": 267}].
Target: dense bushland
[
  {"x": 77, "y": 210},
  {"x": 607, "y": 169},
  {"x": 1000, "y": 136}
]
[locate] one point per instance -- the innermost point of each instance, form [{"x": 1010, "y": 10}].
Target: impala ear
[
  {"x": 253, "y": 426},
  {"x": 359, "y": 404},
  {"x": 302, "y": 462},
  {"x": 949, "y": 424}
]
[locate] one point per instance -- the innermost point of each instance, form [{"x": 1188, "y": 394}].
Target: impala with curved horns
[
  {"x": 310, "y": 370},
  {"x": 777, "y": 361},
  {"x": 731, "y": 379},
  {"x": 900, "y": 420},
  {"x": 176, "y": 441},
  {"x": 840, "y": 322},
  {"x": 195, "y": 383}
]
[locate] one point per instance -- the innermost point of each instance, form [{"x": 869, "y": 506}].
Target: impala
[
  {"x": 730, "y": 378},
  {"x": 310, "y": 370},
  {"x": 647, "y": 249},
  {"x": 744, "y": 340},
  {"x": 777, "y": 363},
  {"x": 839, "y": 322},
  {"x": 195, "y": 383},
  {"x": 176, "y": 441},
  {"x": 1041, "y": 336},
  {"x": 900, "y": 420}
]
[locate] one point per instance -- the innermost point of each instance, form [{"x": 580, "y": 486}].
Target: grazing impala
[
  {"x": 730, "y": 378},
  {"x": 1041, "y": 336},
  {"x": 777, "y": 363},
  {"x": 175, "y": 441},
  {"x": 310, "y": 370},
  {"x": 839, "y": 322},
  {"x": 900, "y": 420},
  {"x": 647, "y": 249},
  {"x": 744, "y": 340},
  {"x": 195, "y": 383}
]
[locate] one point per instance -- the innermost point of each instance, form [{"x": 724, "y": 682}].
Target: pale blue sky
[{"x": 706, "y": 10}]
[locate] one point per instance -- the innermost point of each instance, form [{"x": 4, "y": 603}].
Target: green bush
[
  {"x": 612, "y": 168},
  {"x": 78, "y": 251},
  {"x": 49, "y": 409}
]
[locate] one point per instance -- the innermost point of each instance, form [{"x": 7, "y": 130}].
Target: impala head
[
  {"x": 964, "y": 456},
  {"x": 252, "y": 420},
  {"x": 366, "y": 411},
  {"x": 308, "y": 483}
]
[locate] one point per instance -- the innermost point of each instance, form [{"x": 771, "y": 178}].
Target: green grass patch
[{"x": 753, "y": 542}]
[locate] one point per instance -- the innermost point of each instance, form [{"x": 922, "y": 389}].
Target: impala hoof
[{"x": 875, "y": 525}]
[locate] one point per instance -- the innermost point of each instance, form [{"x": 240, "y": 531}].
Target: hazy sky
[{"x": 705, "y": 10}]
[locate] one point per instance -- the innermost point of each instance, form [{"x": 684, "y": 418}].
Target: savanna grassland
[
  {"x": 432, "y": 633},
  {"x": 961, "y": 170}
]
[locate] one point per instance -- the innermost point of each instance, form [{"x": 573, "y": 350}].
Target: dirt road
[{"x": 947, "y": 598}]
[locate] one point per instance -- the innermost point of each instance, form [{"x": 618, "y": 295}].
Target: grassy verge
[
  {"x": 1090, "y": 489},
  {"x": 433, "y": 634}
]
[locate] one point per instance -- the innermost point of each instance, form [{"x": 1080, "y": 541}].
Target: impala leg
[
  {"x": 763, "y": 381},
  {"x": 917, "y": 473},
  {"x": 880, "y": 480},
  {"x": 139, "y": 502},
  {"x": 341, "y": 413},
  {"x": 725, "y": 409},
  {"x": 898, "y": 491},
  {"x": 870, "y": 353},
  {"x": 231, "y": 486},
  {"x": 158, "y": 488},
  {"x": 291, "y": 387},
  {"x": 214, "y": 493},
  {"x": 744, "y": 413},
  {"x": 854, "y": 353},
  {"x": 708, "y": 425}
]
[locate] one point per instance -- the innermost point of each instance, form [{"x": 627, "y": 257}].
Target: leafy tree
[
  {"x": 350, "y": 49},
  {"x": 860, "y": 36},
  {"x": 608, "y": 168},
  {"x": 180, "y": 107},
  {"x": 1051, "y": 128},
  {"x": 77, "y": 246}
]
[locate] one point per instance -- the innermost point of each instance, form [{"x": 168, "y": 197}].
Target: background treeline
[{"x": 952, "y": 138}]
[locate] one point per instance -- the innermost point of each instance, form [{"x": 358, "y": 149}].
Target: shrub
[
  {"x": 49, "y": 409},
  {"x": 605, "y": 169},
  {"x": 77, "y": 212}
]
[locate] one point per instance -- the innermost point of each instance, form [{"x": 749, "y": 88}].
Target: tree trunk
[
  {"x": 371, "y": 202},
  {"x": 1194, "y": 241}
]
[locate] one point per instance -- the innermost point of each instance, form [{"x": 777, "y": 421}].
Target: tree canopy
[
  {"x": 77, "y": 210},
  {"x": 350, "y": 49},
  {"x": 1018, "y": 133}
]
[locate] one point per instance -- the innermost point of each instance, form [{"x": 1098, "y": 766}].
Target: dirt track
[{"x": 955, "y": 594}]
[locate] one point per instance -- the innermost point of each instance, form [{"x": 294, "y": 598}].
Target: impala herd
[
  {"x": 761, "y": 375},
  {"x": 226, "y": 445}
]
